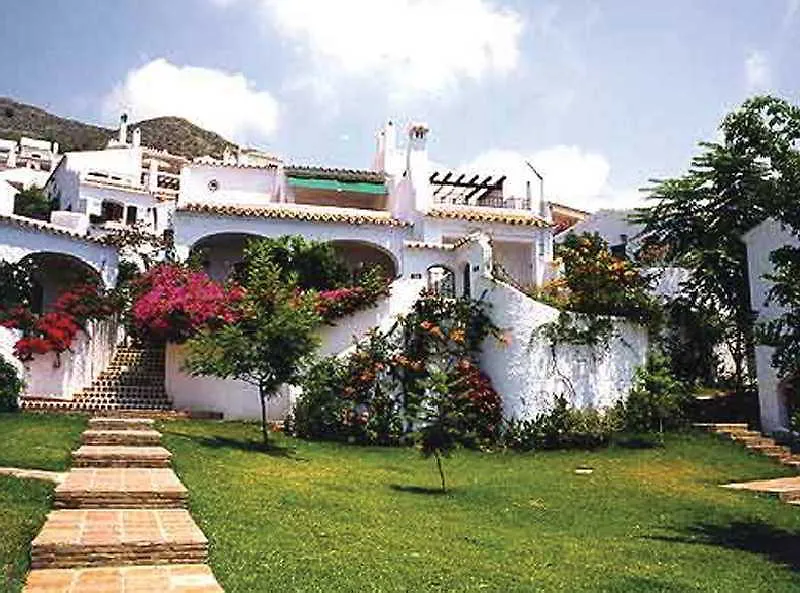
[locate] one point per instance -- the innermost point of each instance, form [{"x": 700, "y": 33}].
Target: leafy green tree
[
  {"x": 34, "y": 203},
  {"x": 273, "y": 335},
  {"x": 734, "y": 184},
  {"x": 310, "y": 264}
]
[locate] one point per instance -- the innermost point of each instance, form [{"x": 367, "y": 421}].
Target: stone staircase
[
  {"x": 120, "y": 523},
  {"x": 754, "y": 441},
  {"x": 133, "y": 381}
]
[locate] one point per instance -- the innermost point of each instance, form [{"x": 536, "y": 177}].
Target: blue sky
[{"x": 600, "y": 95}]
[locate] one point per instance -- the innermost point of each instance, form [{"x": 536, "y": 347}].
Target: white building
[
  {"x": 761, "y": 241},
  {"x": 125, "y": 184},
  {"x": 460, "y": 233}
]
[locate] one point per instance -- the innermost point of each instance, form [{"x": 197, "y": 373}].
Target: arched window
[{"x": 441, "y": 282}]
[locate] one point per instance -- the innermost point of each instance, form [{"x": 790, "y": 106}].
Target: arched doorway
[
  {"x": 221, "y": 254},
  {"x": 442, "y": 281},
  {"x": 361, "y": 255},
  {"x": 54, "y": 273}
]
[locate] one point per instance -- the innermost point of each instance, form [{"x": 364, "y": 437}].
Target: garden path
[{"x": 120, "y": 522}]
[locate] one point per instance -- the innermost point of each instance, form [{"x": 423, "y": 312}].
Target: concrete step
[
  {"x": 771, "y": 450},
  {"x": 176, "y": 578},
  {"x": 74, "y": 538},
  {"x": 86, "y": 407},
  {"x": 124, "y": 438},
  {"x": 105, "y": 456},
  {"x": 120, "y": 488},
  {"x": 121, "y": 423},
  {"x": 718, "y": 426},
  {"x": 754, "y": 441}
]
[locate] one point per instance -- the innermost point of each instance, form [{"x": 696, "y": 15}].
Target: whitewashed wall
[
  {"x": 61, "y": 377},
  {"x": 528, "y": 373},
  {"x": 235, "y": 400},
  {"x": 17, "y": 242},
  {"x": 340, "y": 337},
  {"x": 239, "y": 400},
  {"x": 761, "y": 242}
]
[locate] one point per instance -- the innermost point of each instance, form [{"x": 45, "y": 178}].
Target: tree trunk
[
  {"x": 441, "y": 471},
  {"x": 262, "y": 395}
]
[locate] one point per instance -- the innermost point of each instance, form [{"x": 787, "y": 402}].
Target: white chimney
[
  {"x": 123, "y": 129},
  {"x": 152, "y": 176},
  {"x": 11, "y": 163},
  {"x": 137, "y": 137},
  {"x": 54, "y": 148},
  {"x": 418, "y": 167},
  {"x": 386, "y": 152}
]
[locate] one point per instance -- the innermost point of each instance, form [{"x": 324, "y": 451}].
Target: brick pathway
[
  {"x": 787, "y": 489},
  {"x": 120, "y": 525}
]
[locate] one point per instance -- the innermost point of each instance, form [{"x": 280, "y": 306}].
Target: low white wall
[
  {"x": 235, "y": 400},
  {"x": 341, "y": 337},
  {"x": 9, "y": 337},
  {"x": 239, "y": 399},
  {"x": 528, "y": 373},
  {"x": 61, "y": 377}
]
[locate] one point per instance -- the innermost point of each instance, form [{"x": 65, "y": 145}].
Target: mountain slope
[{"x": 173, "y": 134}]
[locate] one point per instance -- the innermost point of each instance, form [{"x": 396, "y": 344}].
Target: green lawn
[
  {"x": 32, "y": 441},
  {"x": 23, "y": 507},
  {"x": 326, "y": 517},
  {"x": 39, "y": 441}
]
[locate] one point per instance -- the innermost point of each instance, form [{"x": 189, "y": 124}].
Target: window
[
  {"x": 130, "y": 216},
  {"x": 111, "y": 211}
]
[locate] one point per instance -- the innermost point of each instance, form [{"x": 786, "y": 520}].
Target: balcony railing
[{"x": 487, "y": 201}]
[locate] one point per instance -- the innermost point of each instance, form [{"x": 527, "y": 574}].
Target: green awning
[{"x": 361, "y": 187}]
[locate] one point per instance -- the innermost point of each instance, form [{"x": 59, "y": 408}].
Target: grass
[
  {"x": 30, "y": 441},
  {"x": 325, "y": 517},
  {"x": 39, "y": 441},
  {"x": 23, "y": 507}
]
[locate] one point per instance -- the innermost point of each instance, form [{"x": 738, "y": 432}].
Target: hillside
[{"x": 173, "y": 134}]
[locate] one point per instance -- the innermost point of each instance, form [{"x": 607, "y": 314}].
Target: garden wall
[
  {"x": 235, "y": 400},
  {"x": 239, "y": 400},
  {"x": 528, "y": 372},
  {"x": 63, "y": 376}
]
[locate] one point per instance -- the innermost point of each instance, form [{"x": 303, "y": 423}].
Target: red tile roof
[{"x": 295, "y": 213}]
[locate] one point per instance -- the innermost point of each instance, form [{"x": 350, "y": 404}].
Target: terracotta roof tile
[
  {"x": 295, "y": 213},
  {"x": 489, "y": 215},
  {"x": 46, "y": 227}
]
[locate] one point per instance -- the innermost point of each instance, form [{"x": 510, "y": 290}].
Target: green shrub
[
  {"x": 657, "y": 402},
  {"x": 564, "y": 427},
  {"x": 10, "y": 386}
]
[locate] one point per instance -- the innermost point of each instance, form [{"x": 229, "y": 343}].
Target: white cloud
[
  {"x": 418, "y": 46},
  {"x": 572, "y": 176},
  {"x": 226, "y": 103},
  {"x": 758, "y": 72}
]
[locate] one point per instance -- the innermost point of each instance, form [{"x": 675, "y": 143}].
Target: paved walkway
[
  {"x": 120, "y": 523},
  {"x": 787, "y": 489}
]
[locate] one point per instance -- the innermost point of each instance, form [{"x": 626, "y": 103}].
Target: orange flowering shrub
[{"x": 596, "y": 282}]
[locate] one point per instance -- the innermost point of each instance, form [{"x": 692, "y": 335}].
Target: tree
[
  {"x": 275, "y": 332},
  {"x": 733, "y": 185},
  {"x": 34, "y": 203}
]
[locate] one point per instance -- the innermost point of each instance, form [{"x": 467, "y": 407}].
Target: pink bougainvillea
[{"x": 175, "y": 302}]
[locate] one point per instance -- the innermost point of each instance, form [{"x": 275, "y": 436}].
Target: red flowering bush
[
  {"x": 339, "y": 302},
  {"x": 86, "y": 302},
  {"x": 56, "y": 330},
  {"x": 392, "y": 385},
  {"x": 174, "y": 303}
]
